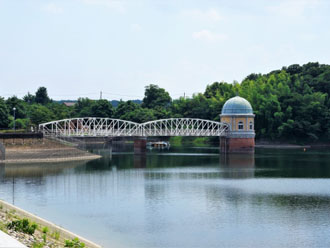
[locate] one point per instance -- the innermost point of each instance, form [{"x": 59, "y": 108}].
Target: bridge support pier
[
  {"x": 140, "y": 145},
  {"x": 236, "y": 145}
]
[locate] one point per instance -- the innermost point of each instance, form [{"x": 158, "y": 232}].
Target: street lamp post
[{"x": 14, "y": 118}]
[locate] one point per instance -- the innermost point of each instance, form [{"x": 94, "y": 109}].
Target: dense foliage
[{"x": 291, "y": 103}]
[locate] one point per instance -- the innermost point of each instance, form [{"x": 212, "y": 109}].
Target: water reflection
[
  {"x": 36, "y": 170},
  {"x": 32, "y": 175},
  {"x": 140, "y": 160},
  {"x": 237, "y": 165},
  {"x": 293, "y": 163},
  {"x": 2, "y": 170},
  {"x": 182, "y": 198},
  {"x": 295, "y": 202}
]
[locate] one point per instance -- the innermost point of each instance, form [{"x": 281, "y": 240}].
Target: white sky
[{"x": 81, "y": 47}]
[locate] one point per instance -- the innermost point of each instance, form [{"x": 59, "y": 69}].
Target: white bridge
[{"x": 107, "y": 127}]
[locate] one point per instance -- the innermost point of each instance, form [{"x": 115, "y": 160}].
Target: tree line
[{"x": 290, "y": 104}]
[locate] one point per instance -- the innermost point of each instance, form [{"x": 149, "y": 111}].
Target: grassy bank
[
  {"x": 35, "y": 232},
  {"x": 32, "y": 234}
]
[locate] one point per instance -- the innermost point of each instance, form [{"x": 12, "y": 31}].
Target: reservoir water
[{"x": 182, "y": 197}]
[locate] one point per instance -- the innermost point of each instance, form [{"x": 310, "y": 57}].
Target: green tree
[
  {"x": 102, "y": 108},
  {"x": 19, "y": 123},
  {"x": 83, "y": 107},
  {"x": 60, "y": 111},
  {"x": 4, "y": 115},
  {"x": 42, "y": 96},
  {"x": 140, "y": 115},
  {"x": 156, "y": 97},
  {"x": 223, "y": 89},
  {"x": 40, "y": 114},
  {"x": 29, "y": 98},
  {"x": 125, "y": 107},
  {"x": 19, "y": 105}
]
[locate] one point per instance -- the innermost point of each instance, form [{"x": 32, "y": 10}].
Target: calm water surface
[{"x": 183, "y": 197}]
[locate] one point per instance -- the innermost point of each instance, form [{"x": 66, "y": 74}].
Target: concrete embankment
[
  {"x": 52, "y": 228},
  {"x": 43, "y": 151},
  {"x": 280, "y": 145}
]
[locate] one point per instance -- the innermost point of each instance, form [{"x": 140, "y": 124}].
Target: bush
[
  {"x": 75, "y": 243},
  {"x": 38, "y": 245},
  {"x": 22, "y": 226},
  {"x": 45, "y": 230},
  {"x": 56, "y": 235}
]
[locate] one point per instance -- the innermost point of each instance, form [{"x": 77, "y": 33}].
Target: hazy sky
[{"x": 81, "y": 47}]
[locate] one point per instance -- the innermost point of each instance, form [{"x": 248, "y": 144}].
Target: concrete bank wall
[
  {"x": 43, "y": 151},
  {"x": 21, "y": 138},
  {"x": 52, "y": 227},
  {"x": 50, "y": 160}
]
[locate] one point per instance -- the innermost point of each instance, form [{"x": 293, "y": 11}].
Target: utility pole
[
  {"x": 100, "y": 95},
  {"x": 184, "y": 95}
]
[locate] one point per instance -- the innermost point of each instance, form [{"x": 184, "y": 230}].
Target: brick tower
[{"x": 238, "y": 114}]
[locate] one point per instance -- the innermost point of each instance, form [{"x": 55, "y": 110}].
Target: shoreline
[
  {"x": 282, "y": 146},
  {"x": 49, "y": 160},
  {"x": 63, "y": 234}
]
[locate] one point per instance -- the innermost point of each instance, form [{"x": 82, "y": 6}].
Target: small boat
[{"x": 158, "y": 144}]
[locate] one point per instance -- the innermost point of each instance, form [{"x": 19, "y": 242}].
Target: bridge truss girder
[{"x": 108, "y": 127}]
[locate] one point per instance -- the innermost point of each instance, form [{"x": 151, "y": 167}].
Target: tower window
[
  {"x": 251, "y": 125},
  {"x": 240, "y": 125}
]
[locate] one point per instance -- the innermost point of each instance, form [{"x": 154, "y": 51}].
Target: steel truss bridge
[{"x": 107, "y": 127}]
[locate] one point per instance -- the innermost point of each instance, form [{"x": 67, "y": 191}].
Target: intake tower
[{"x": 238, "y": 114}]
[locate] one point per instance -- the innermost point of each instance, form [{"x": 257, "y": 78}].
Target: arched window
[
  {"x": 240, "y": 125},
  {"x": 251, "y": 125}
]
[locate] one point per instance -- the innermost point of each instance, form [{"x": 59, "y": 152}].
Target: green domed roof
[{"x": 237, "y": 105}]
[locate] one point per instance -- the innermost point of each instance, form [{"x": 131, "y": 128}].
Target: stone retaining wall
[{"x": 20, "y": 141}]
